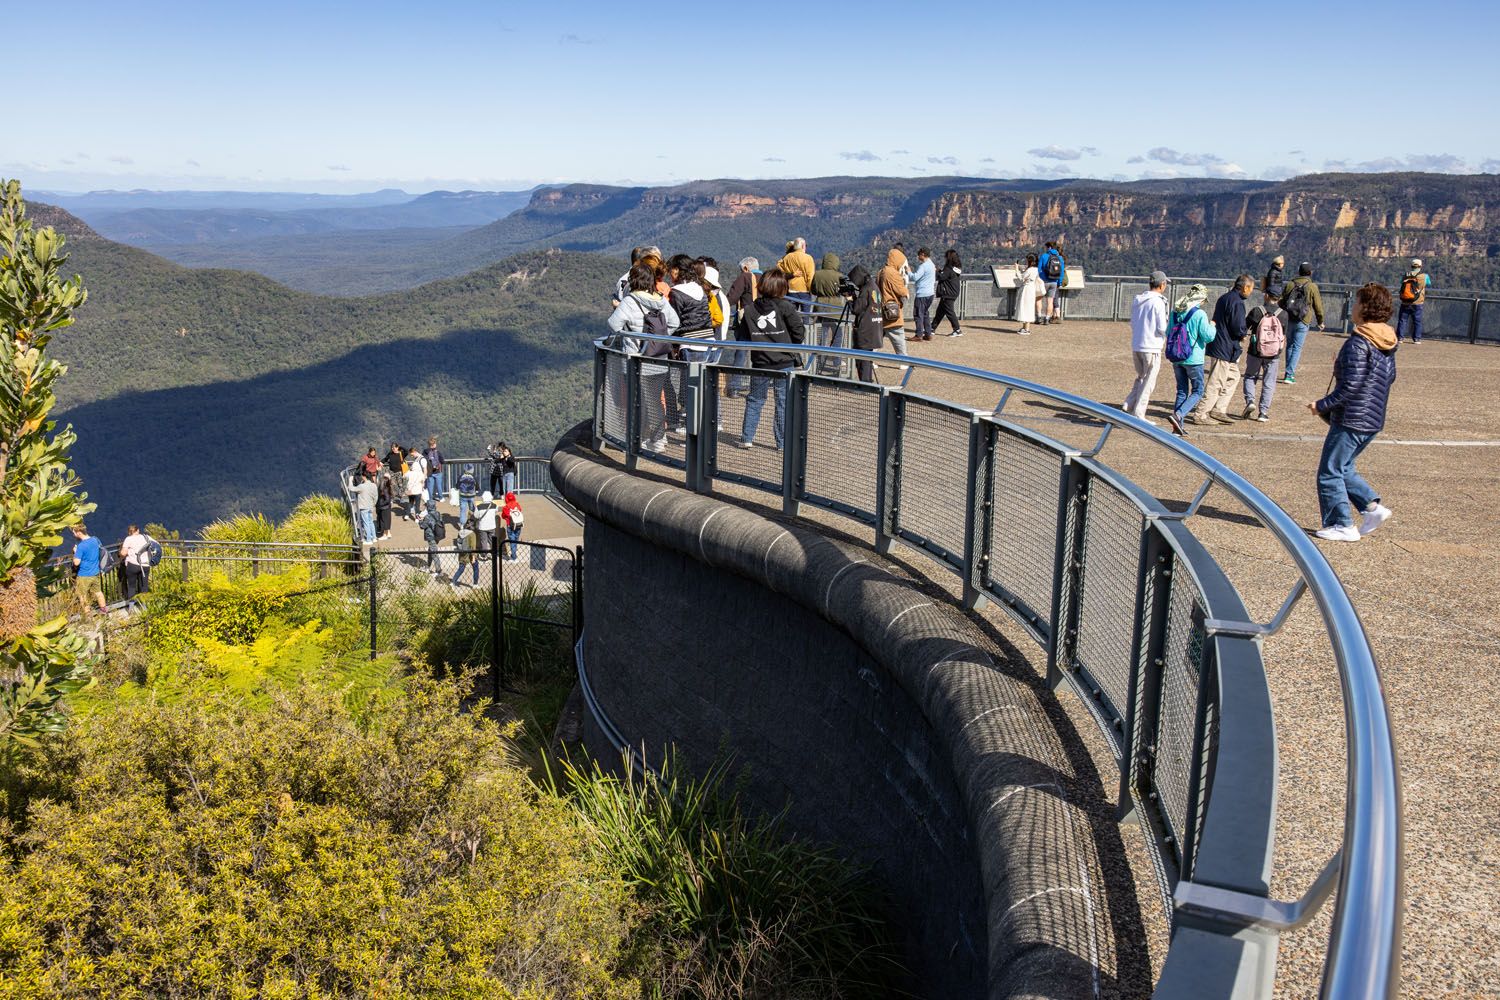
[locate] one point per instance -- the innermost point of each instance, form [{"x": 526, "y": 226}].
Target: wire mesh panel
[
  {"x": 1095, "y": 300},
  {"x": 537, "y": 582},
  {"x": 843, "y": 437},
  {"x": 660, "y": 417},
  {"x": 1106, "y": 611},
  {"x": 980, "y": 300},
  {"x": 932, "y": 478},
  {"x": 1024, "y": 530},
  {"x": 1447, "y": 318},
  {"x": 1489, "y": 321},
  {"x": 610, "y": 407},
  {"x": 760, "y": 464},
  {"x": 1183, "y": 658}
]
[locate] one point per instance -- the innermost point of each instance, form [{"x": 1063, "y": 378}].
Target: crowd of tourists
[{"x": 411, "y": 480}]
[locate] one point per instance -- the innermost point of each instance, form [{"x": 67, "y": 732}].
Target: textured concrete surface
[{"x": 879, "y": 717}]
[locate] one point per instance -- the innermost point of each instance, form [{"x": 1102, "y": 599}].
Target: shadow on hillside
[{"x": 188, "y": 455}]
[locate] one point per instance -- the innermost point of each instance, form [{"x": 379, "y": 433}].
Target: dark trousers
[
  {"x": 1409, "y": 322},
  {"x": 922, "y": 312},
  {"x": 137, "y": 581},
  {"x": 382, "y": 520},
  {"x": 947, "y": 308}
]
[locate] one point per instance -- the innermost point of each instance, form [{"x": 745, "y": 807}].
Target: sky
[{"x": 344, "y": 97}]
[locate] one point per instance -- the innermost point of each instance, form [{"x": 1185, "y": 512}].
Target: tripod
[{"x": 835, "y": 366}]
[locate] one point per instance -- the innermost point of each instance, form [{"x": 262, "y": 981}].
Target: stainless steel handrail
[{"x": 1364, "y": 956}]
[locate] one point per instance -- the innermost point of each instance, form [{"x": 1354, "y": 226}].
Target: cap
[
  {"x": 1158, "y": 277},
  {"x": 1416, "y": 262},
  {"x": 711, "y": 275}
]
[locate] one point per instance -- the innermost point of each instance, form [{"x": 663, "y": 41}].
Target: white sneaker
[
  {"x": 1374, "y": 517},
  {"x": 655, "y": 446},
  {"x": 1339, "y": 533}
]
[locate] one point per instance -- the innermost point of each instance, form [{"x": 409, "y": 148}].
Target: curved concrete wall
[{"x": 857, "y": 705}]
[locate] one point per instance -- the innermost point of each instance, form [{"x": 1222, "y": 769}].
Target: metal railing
[
  {"x": 1447, "y": 315},
  {"x": 1129, "y": 607}
]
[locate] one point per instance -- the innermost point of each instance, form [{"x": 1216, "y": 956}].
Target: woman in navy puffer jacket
[{"x": 1363, "y": 374}]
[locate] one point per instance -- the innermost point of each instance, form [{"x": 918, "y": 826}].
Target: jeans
[
  {"x": 514, "y": 534},
  {"x": 756, "y": 400},
  {"x": 1338, "y": 482},
  {"x": 434, "y": 486},
  {"x": 1147, "y": 367},
  {"x": 1189, "y": 388},
  {"x": 1294, "y": 347},
  {"x": 1260, "y": 382},
  {"x": 804, "y": 301},
  {"x": 510, "y": 482},
  {"x": 465, "y": 508},
  {"x": 367, "y": 525},
  {"x": 947, "y": 308},
  {"x": 1409, "y": 322},
  {"x": 922, "y": 310},
  {"x": 471, "y": 564},
  {"x": 738, "y": 359}
]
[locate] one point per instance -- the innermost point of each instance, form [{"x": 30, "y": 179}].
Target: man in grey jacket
[{"x": 366, "y": 493}]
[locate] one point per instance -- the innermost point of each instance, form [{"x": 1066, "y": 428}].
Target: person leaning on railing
[
  {"x": 770, "y": 320},
  {"x": 744, "y": 290}
]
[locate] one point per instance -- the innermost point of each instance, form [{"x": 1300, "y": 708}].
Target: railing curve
[{"x": 1173, "y": 675}]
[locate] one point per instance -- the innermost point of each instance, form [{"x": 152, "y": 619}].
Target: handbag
[
  {"x": 890, "y": 311},
  {"x": 1327, "y": 417}
]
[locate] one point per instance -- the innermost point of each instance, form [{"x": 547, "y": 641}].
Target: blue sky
[{"x": 353, "y": 96}]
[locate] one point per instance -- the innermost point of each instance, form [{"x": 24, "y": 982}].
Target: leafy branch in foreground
[{"x": 40, "y": 664}]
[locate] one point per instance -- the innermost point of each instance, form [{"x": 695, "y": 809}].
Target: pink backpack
[{"x": 1269, "y": 337}]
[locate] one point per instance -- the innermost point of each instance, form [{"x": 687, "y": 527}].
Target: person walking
[
  {"x": 1189, "y": 331},
  {"x": 829, "y": 308},
  {"x": 514, "y": 519},
  {"x": 135, "y": 553},
  {"x": 1148, "y": 334},
  {"x": 1413, "y": 295},
  {"x": 1221, "y": 372},
  {"x": 486, "y": 516},
  {"x": 366, "y": 494},
  {"x": 466, "y": 544},
  {"x": 88, "y": 563},
  {"x": 891, "y": 283},
  {"x": 799, "y": 267},
  {"x": 1274, "y": 283},
  {"x": 434, "y": 459},
  {"x": 744, "y": 290},
  {"x": 1301, "y": 301},
  {"x": 1053, "y": 267},
  {"x": 644, "y": 310},
  {"x": 1030, "y": 290},
  {"x": 1267, "y": 326},
  {"x": 770, "y": 320},
  {"x": 432, "y": 533},
  {"x": 923, "y": 290},
  {"x": 468, "y": 492},
  {"x": 949, "y": 285},
  {"x": 1364, "y": 372}
]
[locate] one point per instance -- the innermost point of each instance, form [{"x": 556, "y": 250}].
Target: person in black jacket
[
  {"x": 1221, "y": 368},
  {"x": 1363, "y": 374},
  {"x": 770, "y": 320},
  {"x": 868, "y": 332},
  {"x": 948, "y": 281}
]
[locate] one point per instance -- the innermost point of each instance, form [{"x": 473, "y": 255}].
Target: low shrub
[
  {"x": 240, "y": 528},
  {"x": 200, "y": 850},
  {"x": 317, "y": 520}
]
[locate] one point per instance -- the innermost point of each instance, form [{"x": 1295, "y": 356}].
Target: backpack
[
  {"x": 108, "y": 559},
  {"x": 516, "y": 517},
  {"x": 1269, "y": 337},
  {"x": 654, "y": 321},
  {"x": 467, "y": 486},
  {"x": 1054, "y": 266},
  {"x": 153, "y": 551},
  {"x": 1296, "y": 304},
  {"x": 1411, "y": 288},
  {"x": 1180, "y": 340},
  {"x": 439, "y": 529},
  {"x": 715, "y": 310}
]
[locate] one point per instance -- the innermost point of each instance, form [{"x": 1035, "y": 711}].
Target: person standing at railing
[
  {"x": 88, "y": 557},
  {"x": 643, "y": 310},
  {"x": 434, "y": 459},
  {"x": 1301, "y": 302},
  {"x": 830, "y": 307},
  {"x": 1053, "y": 267},
  {"x": 799, "y": 267},
  {"x": 891, "y": 283},
  {"x": 395, "y": 459},
  {"x": 718, "y": 300},
  {"x": 1030, "y": 291},
  {"x": 370, "y": 463},
  {"x": 366, "y": 494},
  {"x": 622, "y": 284},
  {"x": 135, "y": 553},
  {"x": 1364, "y": 372},
  {"x": 770, "y": 320},
  {"x": 507, "y": 468},
  {"x": 1413, "y": 295},
  {"x": 949, "y": 284},
  {"x": 923, "y": 290},
  {"x": 468, "y": 492},
  {"x": 1221, "y": 373},
  {"x": 866, "y": 320},
  {"x": 1188, "y": 333},
  {"x": 416, "y": 464},
  {"x": 744, "y": 290},
  {"x": 1148, "y": 334}
]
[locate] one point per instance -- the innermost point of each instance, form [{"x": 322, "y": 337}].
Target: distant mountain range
[{"x": 1352, "y": 226}]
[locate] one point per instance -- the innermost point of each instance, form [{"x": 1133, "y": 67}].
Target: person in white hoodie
[
  {"x": 485, "y": 515},
  {"x": 641, "y": 311},
  {"x": 1148, "y": 335},
  {"x": 415, "y": 478}
]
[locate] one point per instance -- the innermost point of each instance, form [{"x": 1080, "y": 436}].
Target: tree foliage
[{"x": 40, "y": 664}]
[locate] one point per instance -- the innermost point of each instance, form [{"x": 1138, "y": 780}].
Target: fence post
[
  {"x": 502, "y": 673},
  {"x": 1072, "y": 495},
  {"x": 1148, "y": 645},
  {"x": 577, "y": 594},
  {"x": 1474, "y": 321},
  {"x": 794, "y": 444},
  {"x": 497, "y": 623},
  {"x": 601, "y": 360},
  {"x": 184, "y": 568},
  {"x": 1207, "y": 665},
  {"x": 374, "y": 597},
  {"x": 695, "y": 402},
  {"x": 632, "y": 409},
  {"x": 980, "y": 502},
  {"x": 887, "y": 471}
]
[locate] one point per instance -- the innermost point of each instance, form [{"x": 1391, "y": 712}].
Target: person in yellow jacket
[
  {"x": 892, "y": 283},
  {"x": 799, "y": 268}
]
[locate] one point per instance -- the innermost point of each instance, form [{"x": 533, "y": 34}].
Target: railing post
[
  {"x": 794, "y": 444},
  {"x": 1148, "y": 645},
  {"x": 497, "y": 625},
  {"x": 1207, "y": 664},
  {"x": 184, "y": 568},
  {"x": 374, "y": 597},
  {"x": 577, "y": 594},
  {"x": 1474, "y": 321},
  {"x": 980, "y": 496},
  {"x": 1072, "y": 497},
  {"x": 694, "y": 402},
  {"x": 601, "y": 387},
  {"x": 887, "y": 470},
  {"x": 632, "y": 409}
]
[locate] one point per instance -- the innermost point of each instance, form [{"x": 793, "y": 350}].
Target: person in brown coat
[{"x": 893, "y": 289}]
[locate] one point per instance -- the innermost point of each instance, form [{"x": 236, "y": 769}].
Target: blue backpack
[{"x": 1180, "y": 340}]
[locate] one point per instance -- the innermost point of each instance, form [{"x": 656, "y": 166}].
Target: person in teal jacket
[{"x": 1189, "y": 371}]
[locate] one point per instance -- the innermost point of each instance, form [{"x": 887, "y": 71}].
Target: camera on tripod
[{"x": 847, "y": 288}]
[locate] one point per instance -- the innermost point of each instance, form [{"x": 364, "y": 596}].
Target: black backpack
[
  {"x": 654, "y": 322},
  {"x": 1296, "y": 304},
  {"x": 1054, "y": 266}
]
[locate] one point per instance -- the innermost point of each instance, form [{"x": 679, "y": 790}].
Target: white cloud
[
  {"x": 1055, "y": 152},
  {"x": 127, "y": 161},
  {"x": 1436, "y": 163},
  {"x": 1136, "y": 159},
  {"x": 951, "y": 161},
  {"x": 1490, "y": 167},
  {"x": 1052, "y": 170},
  {"x": 1165, "y": 154},
  {"x": 772, "y": 159},
  {"x": 862, "y": 155},
  {"x": 338, "y": 167},
  {"x": 900, "y": 152}
]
